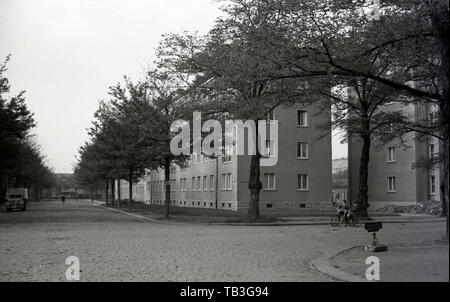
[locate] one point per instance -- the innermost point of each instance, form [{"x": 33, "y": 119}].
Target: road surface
[{"x": 111, "y": 246}]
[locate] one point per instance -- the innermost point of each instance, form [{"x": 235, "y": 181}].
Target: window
[
  {"x": 182, "y": 184},
  {"x": 391, "y": 185},
  {"x": 302, "y": 118},
  {"x": 268, "y": 205},
  {"x": 199, "y": 183},
  {"x": 212, "y": 183},
  {"x": 391, "y": 154},
  {"x": 432, "y": 184},
  {"x": 193, "y": 184},
  {"x": 269, "y": 181},
  {"x": 226, "y": 181},
  {"x": 302, "y": 150},
  {"x": 226, "y": 158},
  {"x": 269, "y": 147},
  {"x": 205, "y": 184},
  {"x": 431, "y": 151},
  {"x": 302, "y": 182}
]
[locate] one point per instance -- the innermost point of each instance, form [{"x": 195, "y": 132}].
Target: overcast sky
[{"x": 65, "y": 54}]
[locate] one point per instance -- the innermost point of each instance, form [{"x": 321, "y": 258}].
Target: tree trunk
[
  {"x": 255, "y": 186},
  {"x": 107, "y": 189},
  {"x": 2, "y": 191},
  {"x": 113, "y": 191},
  {"x": 167, "y": 181},
  {"x": 2, "y": 187},
  {"x": 118, "y": 193},
  {"x": 130, "y": 189},
  {"x": 91, "y": 189},
  {"x": 363, "y": 198}
]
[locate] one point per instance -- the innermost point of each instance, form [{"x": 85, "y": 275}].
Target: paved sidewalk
[
  {"x": 402, "y": 263},
  {"x": 282, "y": 221}
]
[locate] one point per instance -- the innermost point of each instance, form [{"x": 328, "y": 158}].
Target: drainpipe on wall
[{"x": 216, "y": 183}]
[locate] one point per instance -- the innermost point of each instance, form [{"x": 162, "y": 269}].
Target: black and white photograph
[{"x": 225, "y": 147}]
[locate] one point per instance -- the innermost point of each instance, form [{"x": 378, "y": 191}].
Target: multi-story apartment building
[
  {"x": 301, "y": 179},
  {"x": 394, "y": 177}
]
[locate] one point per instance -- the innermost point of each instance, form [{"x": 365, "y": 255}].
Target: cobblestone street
[{"x": 115, "y": 247}]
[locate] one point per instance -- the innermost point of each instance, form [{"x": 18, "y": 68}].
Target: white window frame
[
  {"x": 432, "y": 184},
  {"x": 205, "y": 183},
  {"x": 212, "y": 182},
  {"x": 224, "y": 181},
  {"x": 306, "y": 150},
  {"x": 229, "y": 181},
  {"x": 182, "y": 184},
  {"x": 266, "y": 179},
  {"x": 226, "y": 157},
  {"x": 305, "y": 118},
  {"x": 193, "y": 185},
  {"x": 389, "y": 159},
  {"x": 388, "y": 184},
  {"x": 299, "y": 188}
]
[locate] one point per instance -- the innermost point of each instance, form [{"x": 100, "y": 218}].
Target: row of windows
[
  {"x": 206, "y": 183},
  {"x": 269, "y": 181},
  {"x": 392, "y": 184},
  {"x": 391, "y": 153},
  {"x": 302, "y": 147},
  {"x": 195, "y": 203}
]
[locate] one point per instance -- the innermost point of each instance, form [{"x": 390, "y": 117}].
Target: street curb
[
  {"x": 323, "y": 265},
  {"x": 252, "y": 224},
  {"x": 139, "y": 216}
]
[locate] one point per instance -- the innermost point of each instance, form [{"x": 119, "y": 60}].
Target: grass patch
[{"x": 188, "y": 214}]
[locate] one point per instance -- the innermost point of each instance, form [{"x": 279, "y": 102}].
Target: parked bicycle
[{"x": 344, "y": 216}]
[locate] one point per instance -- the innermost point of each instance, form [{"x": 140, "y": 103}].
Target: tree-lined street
[{"x": 116, "y": 247}]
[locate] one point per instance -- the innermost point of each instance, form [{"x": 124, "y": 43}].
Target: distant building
[
  {"x": 340, "y": 179},
  {"x": 393, "y": 176},
  {"x": 301, "y": 179},
  {"x": 340, "y": 164}
]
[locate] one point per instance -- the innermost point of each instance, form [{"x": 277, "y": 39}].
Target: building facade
[
  {"x": 394, "y": 177},
  {"x": 300, "y": 181}
]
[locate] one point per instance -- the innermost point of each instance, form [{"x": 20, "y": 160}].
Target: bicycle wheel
[
  {"x": 335, "y": 220},
  {"x": 352, "y": 220}
]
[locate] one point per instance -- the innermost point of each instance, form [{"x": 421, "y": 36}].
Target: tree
[
  {"x": 314, "y": 38},
  {"x": 21, "y": 161},
  {"x": 123, "y": 132},
  {"x": 363, "y": 109},
  {"x": 323, "y": 39},
  {"x": 227, "y": 80},
  {"x": 87, "y": 170},
  {"x": 166, "y": 97}
]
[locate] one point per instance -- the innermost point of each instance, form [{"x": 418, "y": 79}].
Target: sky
[{"x": 66, "y": 53}]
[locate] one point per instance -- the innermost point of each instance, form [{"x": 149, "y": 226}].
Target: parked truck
[{"x": 16, "y": 198}]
